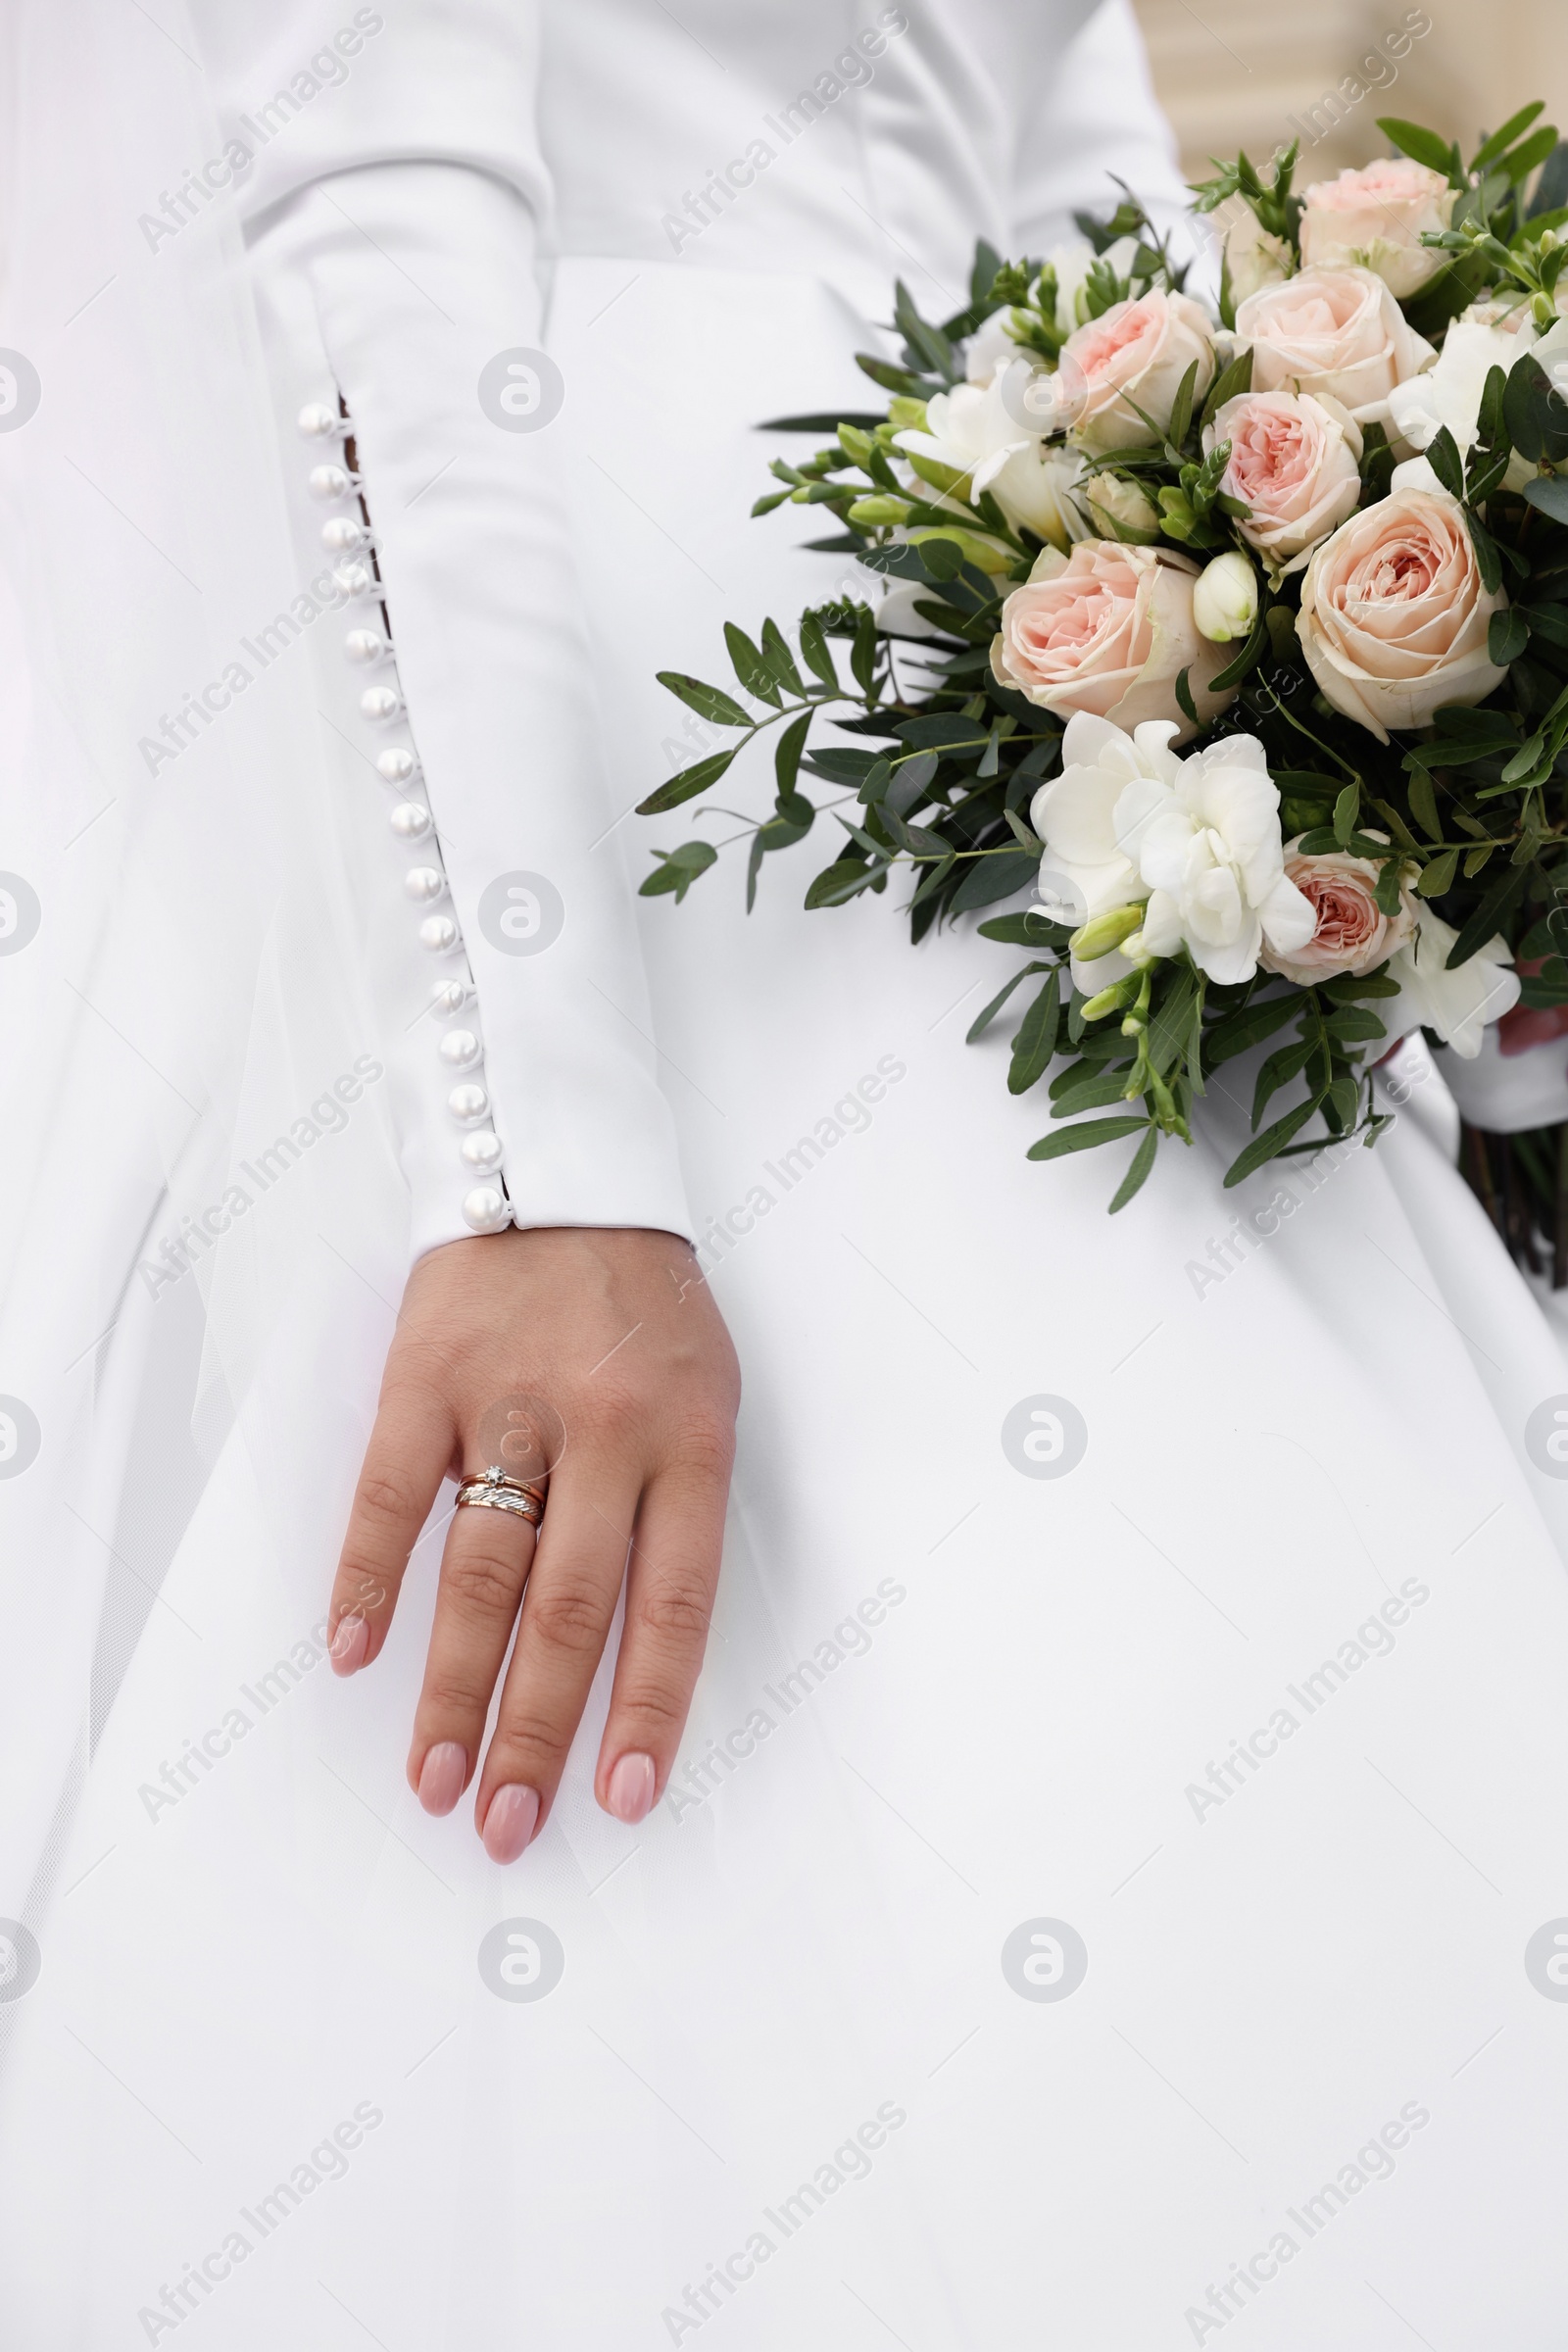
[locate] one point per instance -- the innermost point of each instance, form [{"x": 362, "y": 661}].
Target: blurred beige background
[{"x": 1254, "y": 73}]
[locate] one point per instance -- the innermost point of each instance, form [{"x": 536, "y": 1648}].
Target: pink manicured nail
[
  {"x": 442, "y": 1775},
  {"x": 509, "y": 1822},
  {"x": 631, "y": 1789},
  {"x": 350, "y": 1644}
]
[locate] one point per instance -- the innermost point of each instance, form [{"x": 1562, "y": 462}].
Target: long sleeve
[
  {"x": 1093, "y": 114},
  {"x": 393, "y": 230}
]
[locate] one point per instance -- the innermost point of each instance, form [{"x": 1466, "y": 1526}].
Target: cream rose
[
  {"x": 1376, "y": 217},
  {"x": 1253, "y": 257},
  {"x": 1353, "y": 935},
  {"x": 1395, "y": 616},
  {"x": 1138, "y": 351},
  {"x": 1296, "y": 463},
  {"x": 1337, "y": 332},
  {"x": 1109, "y": 629}
]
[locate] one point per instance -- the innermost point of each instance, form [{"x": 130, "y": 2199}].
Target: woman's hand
[{"x": 599, "y": 1360}]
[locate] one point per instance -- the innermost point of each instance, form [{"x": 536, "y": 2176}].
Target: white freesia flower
[
  {"x": 975, "y": 432},
  {"x": 1207, "y": 847},
  {"x": 1085, "y": 871},
  {"x": 1450, "y": 394},
  {"x": 992, "y": 346},
  {"x": 1460, "y": 1006}
]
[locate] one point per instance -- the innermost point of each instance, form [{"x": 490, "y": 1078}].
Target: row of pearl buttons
[{"x": 485, "y": 1208}]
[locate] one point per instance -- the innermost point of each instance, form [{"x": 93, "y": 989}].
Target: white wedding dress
[{"x": 1113, "y": 1887}]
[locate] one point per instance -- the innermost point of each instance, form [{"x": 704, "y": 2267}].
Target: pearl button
[
  {"x": 355, "y": 579},
  {"x": 380, "y": 703},
  {"x": 481, "y": 1151},
  {"x": 342, "y": 535},
  {"x": 468, "y": 1104},
  {"x": 460, "y": 1049},
  {"x": 316, "y": 421},
  {"x": 485, "y": 1209},
  {"x": 366, "y": 644},
  {"x": 397, "y": 767},
  {"x": 450, "y": 996},
  {"x": 438, "y": 933},
  {"x": 329, "y": 482},
  {"x": 410, "y": 822},
  {"x": 424, "y": 884}
]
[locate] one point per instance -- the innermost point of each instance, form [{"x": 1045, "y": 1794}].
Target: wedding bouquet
[{"x": 1235, "y": 635}]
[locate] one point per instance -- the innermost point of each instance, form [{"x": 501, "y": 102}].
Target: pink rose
[
  {"x": 1353, "y": 934},
  {"x": 1296, "y": 463},
  {"x": 1375, "y": 218},
  {"x": 1109, "y": 629},
  {"x": 1136, "y": 352},
  {"x": 1395, "y": 615},
  {"x": 1332, "y": 332}
]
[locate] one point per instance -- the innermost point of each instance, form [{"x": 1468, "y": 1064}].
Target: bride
[{"x": 1098, "y": 1874}]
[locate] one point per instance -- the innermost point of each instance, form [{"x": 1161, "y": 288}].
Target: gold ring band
[{"x": 493, "y": 1491}]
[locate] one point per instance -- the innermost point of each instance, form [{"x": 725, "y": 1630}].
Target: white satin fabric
[{"x": 962, "y": 1725}]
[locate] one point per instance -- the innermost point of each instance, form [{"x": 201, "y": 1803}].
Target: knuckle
[
  {"x": 386, "y": 1500},
  {"x": 566, "y": 1614},
  {"x": 676, "y": 1614},
  {"x": 656, "y": 1709},
  {"x": 704, "y": 1445},
  {"x": 455, "y": 1689},
  {"x": 362, "y": 1585},
  {"x": 528, "y": 1746},
  {"x": 483, "y": 1582}
]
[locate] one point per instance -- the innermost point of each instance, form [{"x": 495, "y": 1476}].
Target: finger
[
  {"x": 567, "y": 1616},
  {"x": 405, "y": 1462},
  {"x": 484, "y": 1568},
  {"x": 669, "y": 1605}
]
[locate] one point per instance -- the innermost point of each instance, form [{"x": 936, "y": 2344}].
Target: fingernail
[
  {"x": 350, "y": 1644},
  {"x": 509, "y": 1822},
  {"x": 631, "y": 1789},
  {"x": 442, "y": 1775}
]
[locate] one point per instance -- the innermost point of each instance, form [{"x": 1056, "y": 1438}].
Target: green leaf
[
  {"x": 1548, "y": 494},
  {"x": 1036, "y": 1041},
  {"x": 1438, "y": 877},
  {"x": 1184, "y": 696},
  {"x": 787, "y": 752},
  {"x": 1523, "y": 159},
  {"x": 1030, "y": 928},
  {"x": 1239, "y": 1031},
  {"x": 1092, "y": 1092},
  {"x": 844, "y": 879},
  {"x": 1422, "y": 146},
  {"x": 687, "y": 785},
  {"x": 1444, "y": 457},
  {"x": 679, "y": 869},
  {"x": 1236, "y": 379},
  {"x": 1536, "y": 420},
  {"x": 1280, "y": 1068},
  {"x": 1347, "y": 813},
  {"x": 709, "y": 702},
  {"x": 1501, "y": 141},
  {"x": 1181, "y": 414},
  {"x": 1509, "y": 632},
  {"x": 1086, "y": 1138},
  {"x": 1341, "y": 1102},
  {"x": 780, "y": 660},
  {"x": 1424, "y": 805},
  {"x": 1487, "y": 917},
  {"x": 1137, "y": 1174},
  {"x": 1263, "y": 1148},
  {"x": 982, "y": 1021},
  {"x": 1354, "y": 1026},
  {"x": 816, "y": 652},
  {"x": 991, "y": 878},
  {"x": 750, "y": 668}
]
